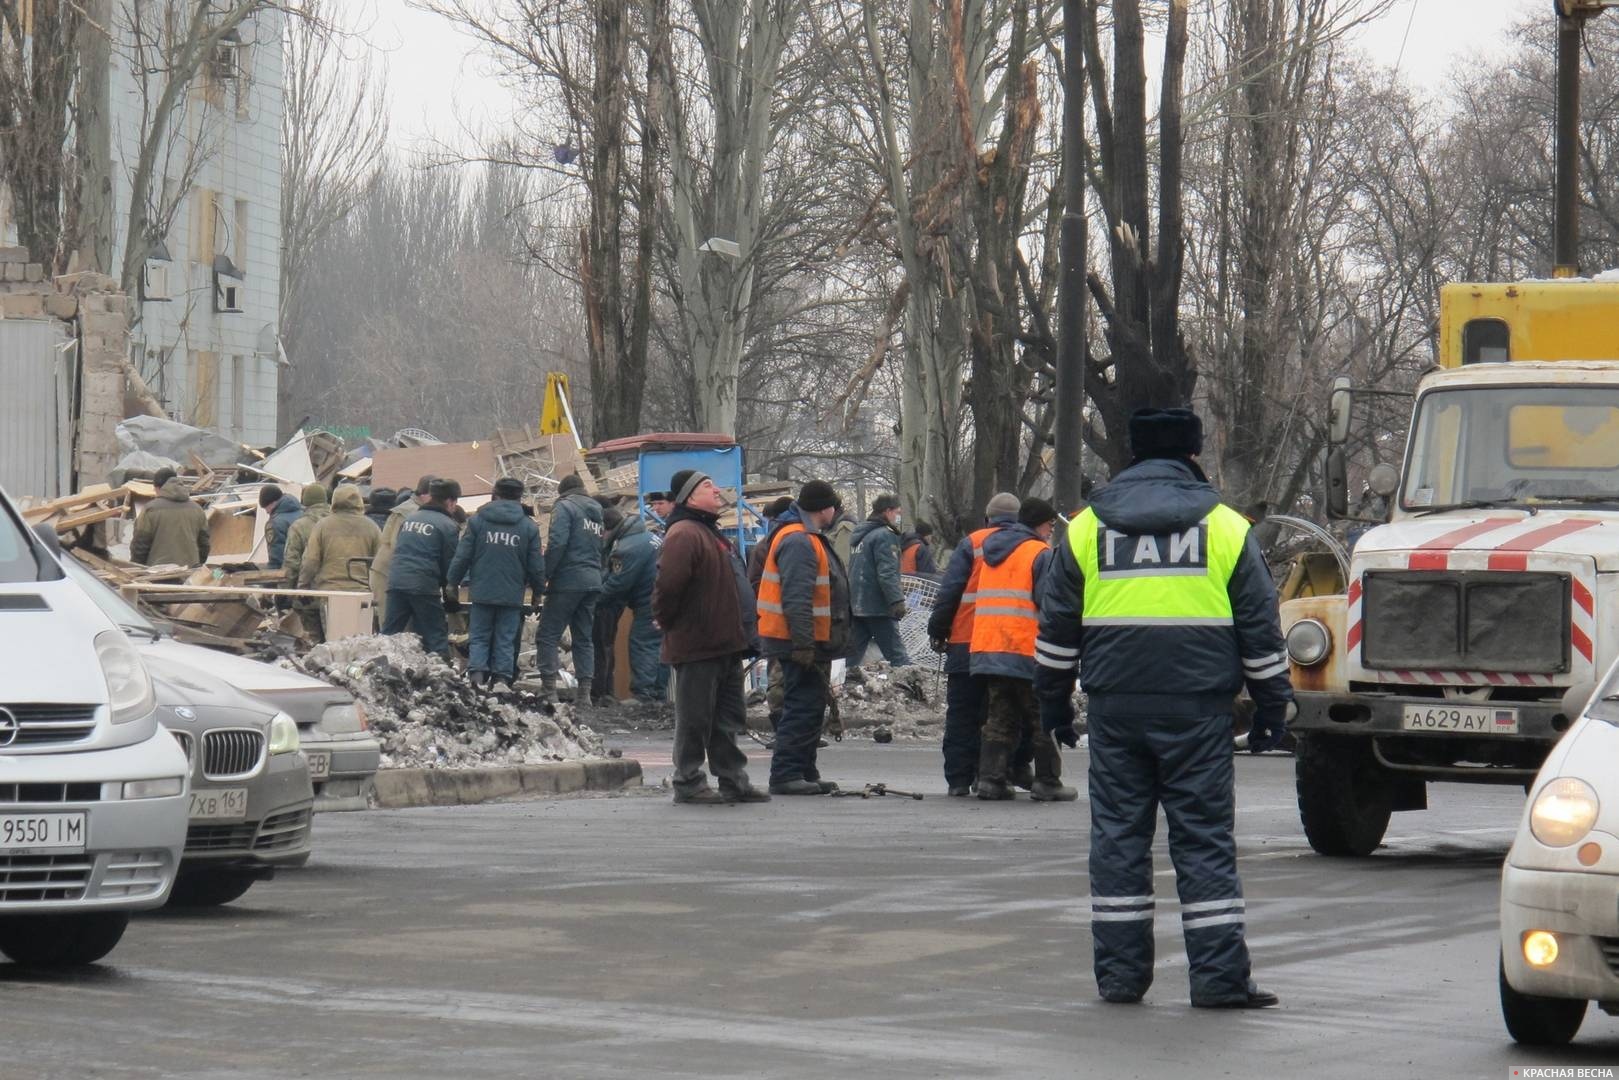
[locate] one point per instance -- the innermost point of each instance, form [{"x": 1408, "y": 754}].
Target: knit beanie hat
[
  {"x": 313, "y": 495},
  {"x": 1035, "y": 513},
  {"x": 816, "y": 495},
  {"x": 1004, "y": 504},
  {"x": 683, "y": 483}
]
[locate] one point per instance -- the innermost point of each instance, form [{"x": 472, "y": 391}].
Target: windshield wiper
[
  {"x": 1583, "y": 499},
  {"x": 136, "y": 628},
  {"x": 1477, "y": 504}
]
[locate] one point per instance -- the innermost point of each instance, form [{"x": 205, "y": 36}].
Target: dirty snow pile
[{"x": 426, "y": 714}]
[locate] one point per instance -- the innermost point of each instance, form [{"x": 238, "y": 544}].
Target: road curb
[{"x": 397, "y": 789}]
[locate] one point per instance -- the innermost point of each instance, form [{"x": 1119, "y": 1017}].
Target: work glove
[
  {"x": 898, "y": 609},
  {"x": 1057, "y": 718},
  {"x": 939, "y": 645},
  {"x": 452, "y": 599},
  {"x": 1269, "y": 725},
  {"x": 803, "y": 657}
]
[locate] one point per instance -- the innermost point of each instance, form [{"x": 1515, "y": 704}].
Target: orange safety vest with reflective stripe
[
  {"x": 1005, "y": 619},
  {"x": 961, "y": 627},
  {"x": 907, "y": 559},
  {"x": 772, "y": 618}
]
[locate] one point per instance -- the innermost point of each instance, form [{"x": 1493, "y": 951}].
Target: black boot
[
  {"x": 992, "y": 771},
  {"x": 1048, "y": 785}
]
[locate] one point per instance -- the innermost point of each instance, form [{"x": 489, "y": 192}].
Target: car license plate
[
  {"x": 1463, "y": 719},
  {"x": 28, "y": 834},
  {"x": 219, "y": 804},
  {"x": 320, "y": 766}
]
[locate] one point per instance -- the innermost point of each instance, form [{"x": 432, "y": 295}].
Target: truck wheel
[
  {"x": 209, "y": 888},
  {"x": 52, "y": 941},
  {"x": 1345, "y": 797},
  {"x": 1540, "y": 1021}
]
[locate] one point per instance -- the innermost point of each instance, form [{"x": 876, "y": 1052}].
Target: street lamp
[{"x": 1069, "y": 423}]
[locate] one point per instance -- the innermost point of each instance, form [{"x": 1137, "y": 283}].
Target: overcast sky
[{"x": 441, "y": 86}]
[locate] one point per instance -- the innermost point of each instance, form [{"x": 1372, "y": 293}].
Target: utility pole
[
  {"x": 1069, "y": 423},
  {"x": 1571, "y": 17}
]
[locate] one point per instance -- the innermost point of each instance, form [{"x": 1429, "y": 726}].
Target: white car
[
  {"x": 1560, "y": 884},
  {"x": 93, "y": 792},
  {"x": 343, "y": 755}
]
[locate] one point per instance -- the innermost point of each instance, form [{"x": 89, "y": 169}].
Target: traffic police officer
[{"x": 1162, "y": 598}]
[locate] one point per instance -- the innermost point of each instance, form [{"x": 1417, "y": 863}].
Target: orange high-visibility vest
[
  {"x": 907, "y": 559},
  {"x": 772, "y": 619},
  {"x": 961, "y": 627},
  {"x": 1005, "y": 619}
]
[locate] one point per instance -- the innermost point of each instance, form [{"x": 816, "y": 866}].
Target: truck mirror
[
  {"x": 1337, "y": 483},
  {"x": 1384, "y": 481},
  {"x": 1338, "y": 409}
]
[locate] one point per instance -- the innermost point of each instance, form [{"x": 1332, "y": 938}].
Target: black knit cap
[
  {"x": 571, "y": 482},
  {"x": 1165, "y": 433},
  {"x": 1035, "y": 513},
  {"x": 778, "y": 508},
  {"x": 816, "y": 495},
  {"x": 508, "y": 487}
]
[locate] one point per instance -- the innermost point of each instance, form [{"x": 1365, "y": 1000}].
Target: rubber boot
[
  {"x": 992, "y": 771},
  {"x": 1048, "y": 785},
  {"x": 1021, "y": 776},
  {"x": 581, "y": 696},
  {"x": 548, "y": 688}
]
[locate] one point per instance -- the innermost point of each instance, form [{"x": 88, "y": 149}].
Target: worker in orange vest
[
  {"x": 1004, "y": 627},
  {"x": 804, "y": 619}
]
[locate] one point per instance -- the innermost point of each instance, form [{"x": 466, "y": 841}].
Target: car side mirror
[
  {"x": 1337, "y": 483},
  {"x": 1576, "y": 698},
  {"x": 1339, "y": 405}
]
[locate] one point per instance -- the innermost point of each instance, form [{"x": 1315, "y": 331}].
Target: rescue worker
[
  {"x": 379, "y": 504},
  {"x": 172, "y": 530},
  {"x": 950, "y": 631},
  {"x": 632, "y": 569},
  {"x": 573, "y": 581},
  {"x": 498, "y": 557},
  {"x": 604, "y": 624},
  {"x": 701, "y": 599},
  {"x": 1004, "y": 626},
  {"x": 1161, "y": 596},
  {"x": 317, "y": 507},
  {"x": 756, "y": 567},
  {"x": 341, "y": 536},
  {"x": 916, "y": 551},
  {"x": 874, "y": 585},
  {"x": 282, "y": 511},
  {"x": 419, "y": 593},
  {"x": 408, "y": 502},
  {"x": 804, "y": 618}
]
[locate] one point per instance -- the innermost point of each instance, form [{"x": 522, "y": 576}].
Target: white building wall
[{"x": 210, "y": 368}]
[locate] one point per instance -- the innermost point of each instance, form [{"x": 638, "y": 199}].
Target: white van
[{"x": 93, "y": 792}]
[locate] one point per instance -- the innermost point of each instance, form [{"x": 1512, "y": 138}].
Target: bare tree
[{"x": 39, "y": 52}]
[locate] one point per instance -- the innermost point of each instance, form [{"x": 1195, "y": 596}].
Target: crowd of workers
[{"x": 1156, "y": 589}]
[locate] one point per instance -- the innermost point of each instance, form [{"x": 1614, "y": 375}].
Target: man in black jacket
[
  {"x": 499, "y": 557},
  {"x": 418, "y": 578},
  {"x": 1160, "y": 595},
  {"x": 573, "y": 582}
]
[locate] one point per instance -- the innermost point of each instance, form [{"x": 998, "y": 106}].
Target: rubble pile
[{"x": 426, "y": 714}]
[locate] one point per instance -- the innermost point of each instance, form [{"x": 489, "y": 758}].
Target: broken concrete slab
[{"x": 397, "y": 789}]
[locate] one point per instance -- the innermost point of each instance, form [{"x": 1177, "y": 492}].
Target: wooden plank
[
  {"x": 93, "y": 494},
  {"x": 87, "y": 517},
  {"x": 358, "y": 470}
]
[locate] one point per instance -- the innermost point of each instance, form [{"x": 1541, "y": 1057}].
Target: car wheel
[
  {"x": 51, "y": 941},
  {"x": 209, "y": 888},
  {"x": 1540, "y": 1021},
  {"x": 1345, "y": 796}
]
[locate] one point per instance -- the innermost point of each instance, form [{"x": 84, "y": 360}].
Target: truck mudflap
[{"x": 1499, "y": 742}]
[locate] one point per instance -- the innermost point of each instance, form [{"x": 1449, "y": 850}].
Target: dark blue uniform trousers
[
  {"x": 803, "y": 709},
  {"x": 571, "y": 611},
  {"x": 493, "y": 631},
  {"x": 964, "y": 705},
  {"x": 1183, "y": 763},
  {"x": 423, "y": 613}
]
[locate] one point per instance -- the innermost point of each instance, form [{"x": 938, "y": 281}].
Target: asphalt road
[{"x": 807, "y": 938}]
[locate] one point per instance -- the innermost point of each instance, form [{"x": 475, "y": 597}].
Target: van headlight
[
  {"x": 1308, "y": 642},
  {"x": 283, "y": 734},
  {"x": 129, "y": 687},
  {"x": 166, "y": 788},
  {"x": 1563, "y": 812}
]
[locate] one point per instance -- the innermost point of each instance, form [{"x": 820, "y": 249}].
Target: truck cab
[{"x": 1491, "y": 593}]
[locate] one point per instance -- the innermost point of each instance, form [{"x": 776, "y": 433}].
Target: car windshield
[
  {"x": 18, "y": 561},
  {"x": 115, "y": 607},
  {"x": 1514, "y": 446}
]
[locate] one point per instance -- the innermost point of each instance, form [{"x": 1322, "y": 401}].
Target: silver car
[
  {"x": 251, "y": 799},
  {"x": 343, "y": 756}
]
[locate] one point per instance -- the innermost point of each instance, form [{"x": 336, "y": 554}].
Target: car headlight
[
  {"x": 343, "y": 719},
  {"x": 1308, "y": 642},
  {"x": 129, "y": 687},
  {"x": 1563, "y": 812},
  {"x": 166, "y": 788},
  {"x": 283, "y": 734}
]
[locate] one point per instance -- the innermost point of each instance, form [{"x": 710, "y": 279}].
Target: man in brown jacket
[
  {"x": 702, "y": 603},
  {"x": 172, "y": 530},
  {"x": 345, "y": 534}
]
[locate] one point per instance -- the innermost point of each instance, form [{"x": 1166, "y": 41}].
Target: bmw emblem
[{"x": 184, "y": 713}]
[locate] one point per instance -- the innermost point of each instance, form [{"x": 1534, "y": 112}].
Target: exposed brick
[
  {"x": 13, "y": 254},
  {"x": 63, "y": 307},
  {"x": 104, "y": 323},
  {"x": 33, "y": 272},
  {"x": 14, "y": 271},
  {"x": 23, "y": 306}
]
